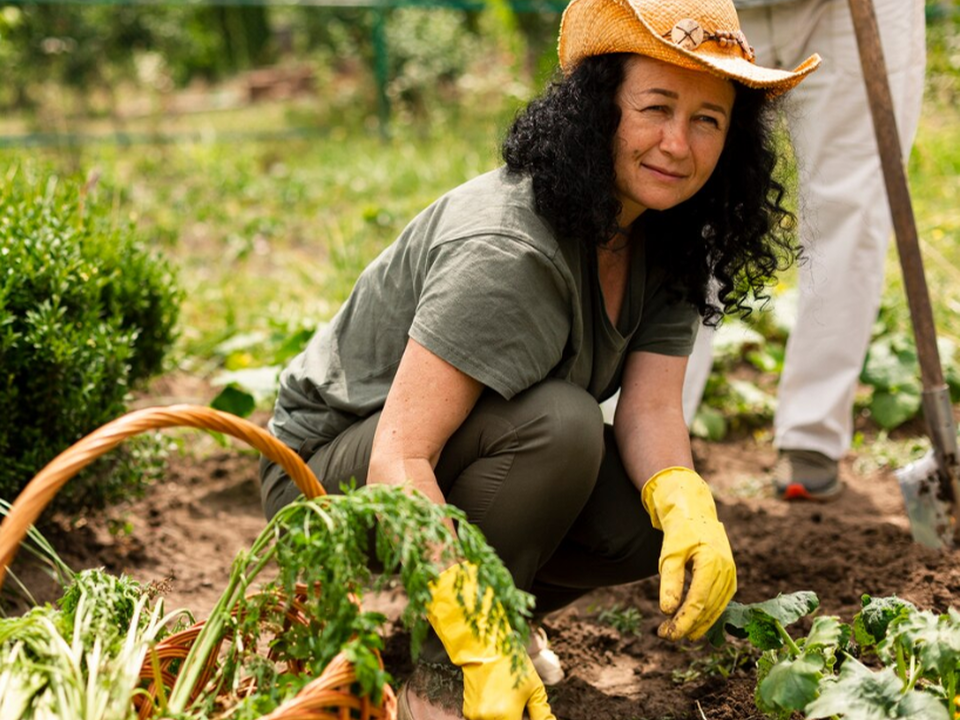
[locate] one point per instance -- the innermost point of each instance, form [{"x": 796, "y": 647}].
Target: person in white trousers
[{"x": 844, "y": 219}]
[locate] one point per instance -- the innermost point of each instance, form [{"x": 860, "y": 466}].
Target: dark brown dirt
[{"x": 189, "y": 528}]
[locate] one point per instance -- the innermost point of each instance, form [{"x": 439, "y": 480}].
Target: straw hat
[{"x": 694, "y": 34}]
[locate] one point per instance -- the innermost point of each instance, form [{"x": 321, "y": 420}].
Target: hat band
[{"x": 689, "y": 35}]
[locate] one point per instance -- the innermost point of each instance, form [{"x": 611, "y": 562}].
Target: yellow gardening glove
[
  {"x": 680, "y": 504},
  {"x": 490, "y": 690}
]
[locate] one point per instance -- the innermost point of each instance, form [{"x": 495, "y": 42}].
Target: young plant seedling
[{"x": 818, "y": 674}]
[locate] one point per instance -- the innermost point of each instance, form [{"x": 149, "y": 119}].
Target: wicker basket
[{"x": 331, "y": 696}]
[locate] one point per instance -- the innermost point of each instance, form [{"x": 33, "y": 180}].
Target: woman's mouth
[{"x": 664, "y": 172}]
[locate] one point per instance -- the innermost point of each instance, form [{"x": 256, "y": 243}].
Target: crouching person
[{"x": 471, "y": 357}]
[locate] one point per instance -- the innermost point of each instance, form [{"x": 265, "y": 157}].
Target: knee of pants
[
  {"x": 569, "y": 429},
  {"x": 276, "y": 488}
]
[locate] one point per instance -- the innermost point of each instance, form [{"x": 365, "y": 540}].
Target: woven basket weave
[{"x": 332, "y": 695}]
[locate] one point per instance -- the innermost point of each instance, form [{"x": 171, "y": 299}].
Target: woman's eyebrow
[
  {"x": 716, "y": 108},
  {"x": 661, "y": 91},
  {"x": 675, "y": 96}
]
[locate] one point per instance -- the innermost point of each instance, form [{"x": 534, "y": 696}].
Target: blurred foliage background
[{"x": 247, "y": 144}]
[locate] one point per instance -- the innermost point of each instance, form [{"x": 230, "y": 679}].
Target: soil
[{"x": 189, "y": 527}]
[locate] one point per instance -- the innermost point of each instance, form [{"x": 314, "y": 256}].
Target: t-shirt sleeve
[
  {"x": 668, "y": 325},
  {"x": 495, "y": 308}
]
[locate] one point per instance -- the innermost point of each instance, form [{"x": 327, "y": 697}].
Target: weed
[
  {"x": 625, "y": 620},
  {"x": 723, "y": 662}
]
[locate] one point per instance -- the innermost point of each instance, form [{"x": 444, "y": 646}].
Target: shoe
[
  {"x": 545, "y": 660},
  {"x": 806, "y": 475}
]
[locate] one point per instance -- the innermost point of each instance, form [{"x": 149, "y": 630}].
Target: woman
[{"x": 471, "y": 356}]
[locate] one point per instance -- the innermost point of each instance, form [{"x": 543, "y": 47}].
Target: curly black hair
[{"x": 735, "y": 230}]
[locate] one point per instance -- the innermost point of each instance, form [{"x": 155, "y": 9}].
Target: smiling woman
[
  {"x": 673, "y": 125},
  {"x": 470, "y": 359}
]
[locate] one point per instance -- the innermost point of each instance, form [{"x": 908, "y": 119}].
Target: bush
[{"x": 86, "y": 311}]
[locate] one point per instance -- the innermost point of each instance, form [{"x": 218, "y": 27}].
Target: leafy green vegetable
[
  {"x": 763, "y": 622},
  {"x": 114, "y": 602},
  {"x": 861, "y": 694},
  {"x": 818, "y": 674},
  {"x": 790, "y": 685},
  {"x": 81, "y": 659},
  {"x": 871, "y": 623},
  {"x": 891, "y": 367},
  {"x": 709, "y": 423}
]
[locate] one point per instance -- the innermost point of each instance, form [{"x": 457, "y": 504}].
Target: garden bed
[{"x": 187, "y": 530}]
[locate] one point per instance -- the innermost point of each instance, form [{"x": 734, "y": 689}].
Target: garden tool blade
[
  {"x": 931, "y": 487},
  {"x": 922, "y": 487}
]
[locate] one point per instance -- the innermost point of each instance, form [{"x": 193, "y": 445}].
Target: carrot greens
[
  {"x": 293, "y": 601},
  {"x": 324, "y": 553}
]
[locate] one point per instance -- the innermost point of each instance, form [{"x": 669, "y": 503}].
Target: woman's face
[{"x": 672, "y": 128}]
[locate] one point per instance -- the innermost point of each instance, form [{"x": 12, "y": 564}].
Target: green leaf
[
  {"x": 891, "y": 409},
  {"x": 860, "y": 694},
  {"x": 891, "y": 369},
  {"x": 871, "y": 623},
  {"x": 826, "y": 632},
  {"x": 921, "y": 706},
  {"x": 709, "y": 424},
  {"x": 767, "y": 358},
  {"x": 934, "y": 639},
  {"x": 791, "y": 684},
  {"x": 891, "y": 364},
  {"x": 261, "y": 383},
  {"x": 293, "y": 345},
  {"x": 758, "y": 621},
  {"x": 234, "y": 400},
  {"x": 751, "y": 398}
]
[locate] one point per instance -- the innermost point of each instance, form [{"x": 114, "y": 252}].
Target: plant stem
[
  {"x": 915, "y": 672},
  {"x": 901, "y": 665},
  {"x": 212, "y": 633},
  {"x": 158, "y": 679},
  {"x": 787, "y": 640},
  {"x": 951, "y": 684}
]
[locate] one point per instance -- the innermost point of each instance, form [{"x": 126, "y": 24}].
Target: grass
[
  {"x": 268, "y": 233},
  {"x": 269, "y": 236},
  {"x": 934, "y": 173}
]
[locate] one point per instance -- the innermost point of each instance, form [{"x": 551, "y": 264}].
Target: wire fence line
[{"x": 379, "y": 8}]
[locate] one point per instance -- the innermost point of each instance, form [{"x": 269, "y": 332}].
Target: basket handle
[{"x": 44, "y": 486}]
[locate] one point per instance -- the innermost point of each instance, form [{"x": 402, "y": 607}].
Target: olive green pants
[{"x": 539, "y": 474}]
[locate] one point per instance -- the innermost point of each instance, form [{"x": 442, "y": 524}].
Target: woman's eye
[{"x": 710, "y": 120}]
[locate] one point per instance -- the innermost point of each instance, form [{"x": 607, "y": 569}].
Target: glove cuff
[{"x": 664, "y": 484}]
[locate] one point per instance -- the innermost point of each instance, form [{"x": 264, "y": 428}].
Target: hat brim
[{"x": 600, "y": 27}]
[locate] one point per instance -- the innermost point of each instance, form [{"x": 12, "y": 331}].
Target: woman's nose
[{"x": 675, "y": 139}]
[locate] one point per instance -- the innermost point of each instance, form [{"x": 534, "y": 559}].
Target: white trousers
[{"x": 845, "y": 221}]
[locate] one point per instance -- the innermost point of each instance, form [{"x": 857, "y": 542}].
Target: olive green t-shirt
[{"x": 479, "y": 279}]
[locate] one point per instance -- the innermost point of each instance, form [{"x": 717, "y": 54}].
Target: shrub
[{"x": 86, "y": 311}]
